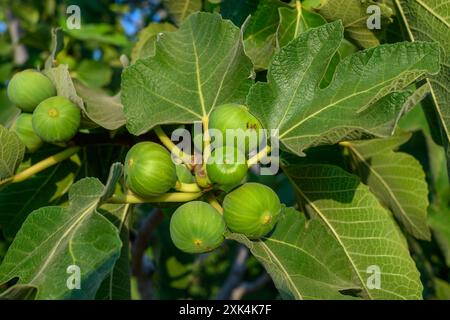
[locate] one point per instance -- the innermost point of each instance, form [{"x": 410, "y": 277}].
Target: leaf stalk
[{"x": 165, "y": 140}]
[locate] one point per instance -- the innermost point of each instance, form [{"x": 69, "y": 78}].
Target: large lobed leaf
[
  {"x": 54, "y": 238},
  {"x": 12, "y": 151},
  {"x": 303, "y": 258},
  {"x": 329, "y": 255},
  {"x": 365, "y": 95},
  {"x": 396, "y": 178},
  {"x": 364, "y": 230},
  {"x": 194, "y": 69}
]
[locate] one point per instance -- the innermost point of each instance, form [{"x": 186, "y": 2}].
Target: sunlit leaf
[
  {"x": 196, "y": 68},
  {"x": 365, "y": 96}
]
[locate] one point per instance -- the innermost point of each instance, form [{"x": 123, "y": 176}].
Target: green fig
[
  {"x": 28, "y": 88},
  {"x": 235, "y": 119},
  {"x": 252, "y": 210},
  {"x": 226, "y": 166},
  {"x": 23, "y": 127},
  {"x": 197, "y": 227},
  {"x": 149, "y": 169},
  {"x": 56, "y": 119}
]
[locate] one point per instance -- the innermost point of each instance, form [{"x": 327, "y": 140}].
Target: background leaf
[
  {"x": 117, "y": 285},
  {"x": 181, "y": 9},
  {"x": 440, "y": 224},
  {"x": 237, "y": 10},
  {"x": 12, "y": 151},
  {"x": 145, "y": 46},
  {"x": 93, "y": 73},
  {"x": 353, "y": 14},
  {"x": 99, "y": 33},
  {"x": 198, "y": 67},
  {"x": 396, "y": 178},
  {"x": 294, "y": 21},
  {"x": 430, "y": 21},
  {"x": 260, "y": 33},
  {"x": 18, "y": 200},
  {"x": 442, "y": 289}
]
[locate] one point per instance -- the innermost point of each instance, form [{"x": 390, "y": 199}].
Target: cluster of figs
[
  {"x": 45, "y": 117},
  {"x": 251, "y": 209}
]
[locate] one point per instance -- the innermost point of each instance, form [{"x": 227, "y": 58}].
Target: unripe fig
[
  {"x": 226, "y": 166},
  {"x": 240, "y": 122},
  {"x": 56, "y": 119},
  {"x": 197, "y": 227},
  {"x": 149, "y": 169},
  {"x": 23, "y": 127},
  {"x": 252, "y": 210},
  {"x": 28, "y": 88}
]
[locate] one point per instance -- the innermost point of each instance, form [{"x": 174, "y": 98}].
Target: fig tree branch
[
  {"x": 140, "y": 265},
  {"x": 236, "y": 274},
  {"x": 20, "y": 51},
  {"x": 250, "y": 287},
  {"x": 187, "y": 187},
  {"x": 41, "y": 165},
  {"x": 166, "y": 197}
]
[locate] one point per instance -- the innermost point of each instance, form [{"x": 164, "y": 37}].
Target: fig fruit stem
[
  {"x": 206, "y": 140},
  {"x": 257, "y": 157},
  {"x": 187, "y": 187},
  {"x": 165, "y": 140},
  {"x": 41, "y": 165},
  {"x": 166, "y": 197},
  {"x": 213, "y": 201}
]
